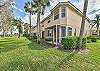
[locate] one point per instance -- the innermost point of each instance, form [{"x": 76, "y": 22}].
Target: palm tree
[
  {"x": 39, "y": 6},
  {"x": 26, "y": 28},
  {"x": 97, "y": 22},
  {"x": 29, "y": 9},
  {"x": 18, "y": 23},
  {"x": 83, "y": 22}
]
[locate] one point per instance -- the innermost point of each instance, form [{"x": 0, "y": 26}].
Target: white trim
[
  {"x": 60, "y": 34},
  {"x": 66, "y": 31},
  {"x": 56, "y": 34}
]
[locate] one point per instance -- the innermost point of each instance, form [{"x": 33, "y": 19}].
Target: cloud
[
  {"x": 93, "y": 5},
  {"x": 18, "y": 9},
  {"x": 25, "y": 19}
]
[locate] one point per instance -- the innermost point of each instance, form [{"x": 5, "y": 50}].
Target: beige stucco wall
[
  {"x": 74, "y": 20},
  {"x": 34, "y": 30}
]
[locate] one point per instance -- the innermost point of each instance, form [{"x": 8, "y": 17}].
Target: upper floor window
[
  {"x": 42, "y": 25},
  {"x": 48, "y": 21},
  {"x": 63, "y": 12},
  {"x": 56, "y": 15}
]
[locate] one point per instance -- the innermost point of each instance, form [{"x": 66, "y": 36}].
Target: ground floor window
[
  {"x": 43, "y": 34},
  {"x": 69, "y": 31},
  {"x": 63, "y": 31},
  {"x": 49, "y": 32}
]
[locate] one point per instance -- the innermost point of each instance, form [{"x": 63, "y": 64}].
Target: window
[
  {"x": 48, "y": 21},
  {"x": 69, "y": 31},
  {"x": 42, "y": 25},
  {"x": 63, "y": 11},
  {"x": 34, "y": 34},
  {"x": 56, "y": 15},
  {"x": 63, "y": 31},
  {"x": 49, "y": 32}
]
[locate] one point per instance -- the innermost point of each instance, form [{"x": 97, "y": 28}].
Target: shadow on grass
[
  {"x": 66, "y": 59},
  {"x": 9, "y": 44},
  {"x": 35, "y": 46}
]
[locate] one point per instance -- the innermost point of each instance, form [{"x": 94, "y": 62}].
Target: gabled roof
[{"x": 68, "y": 3}]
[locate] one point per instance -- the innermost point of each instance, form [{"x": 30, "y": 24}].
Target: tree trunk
[
  {"x": 38, "y": 25},
  {"x": 98, "y": 28},
  {"x": 3, "y": 30},
  {"x": 83, "y": 23},
  {"x": 19, "y": 35},
  {"x": 19, "y": 32},
  {"x": 30, "y": 23},
  {"x": 11, "y": 30}
]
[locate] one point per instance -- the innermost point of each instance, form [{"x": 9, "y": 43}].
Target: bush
[
  {"x": 98, "y": 37},
  {"x": 92, "y": 38},
  {"x": 89, "y": 41},
  {"x": 69, "y": 42}
]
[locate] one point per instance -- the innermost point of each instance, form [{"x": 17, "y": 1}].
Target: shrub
[
  {"x": 84, "y": 41},
  {"x": 92, "y": 38},
  {"x": 89, "y": 41},
  {"x": 98, "y": 37},
  {"x": 69, "y": 42}
]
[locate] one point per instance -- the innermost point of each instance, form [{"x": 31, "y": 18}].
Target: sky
[{"x": 93, "y": 8}]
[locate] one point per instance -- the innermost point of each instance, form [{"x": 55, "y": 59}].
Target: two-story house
[{"x": 64, "y": 20}]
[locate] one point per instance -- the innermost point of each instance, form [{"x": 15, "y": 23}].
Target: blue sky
[
  {"x": 19, "y": 10},
  {"x": 93, "y": 8}
]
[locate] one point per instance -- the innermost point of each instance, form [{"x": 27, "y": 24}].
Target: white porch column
[
  {"x": 66, "y": 31},
  {"x": 53, "y": 36},
  {"x": 56, "y": 35},
  {"x": 60, "y": 13},
  {"x": 59, "y": 34}
]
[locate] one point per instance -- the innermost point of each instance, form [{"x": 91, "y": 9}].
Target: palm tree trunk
[
  {"x": 38, "y": 25},
  {"x": 19, "y": 35},
  {"x": 3, "y": 30},
  {"x": 11, "y": 30},
  {"x": 83, "y": 22},
  {"x": 30, "y": 23},
  {"x": 97, "y": 29},
  {"x": 19, "y": 32}
]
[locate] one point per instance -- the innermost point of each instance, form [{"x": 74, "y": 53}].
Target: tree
[
  {"x": 39, "y": 7},
  {"x": 83, "y": 22},
  {"x": 18, "y": 23},
  {"x": 26, "y": 29},
  {"x": 29, "y": 8},
  {"x": 5, "y": 15},
  {"x": 97, "y": 23}
]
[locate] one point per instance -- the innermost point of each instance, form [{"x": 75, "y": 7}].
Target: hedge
[
  {"x": 69, "y": 42},
  {"x": 92, "y": 39}
]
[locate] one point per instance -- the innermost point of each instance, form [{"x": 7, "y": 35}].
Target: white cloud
[
  {"x": 18, "y": 9},
  {"x": 26, "y": 19},
  {"x": 93, "y": 5}
]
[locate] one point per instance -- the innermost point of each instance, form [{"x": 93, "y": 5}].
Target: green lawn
[{"x": 24, "y": 55}]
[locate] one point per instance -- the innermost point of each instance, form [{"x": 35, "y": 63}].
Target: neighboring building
[
  {"x": 64, "y": 20},
  {"x": 93, "y": 29}
]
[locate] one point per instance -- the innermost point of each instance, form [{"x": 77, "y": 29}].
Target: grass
[{"x": 25, "y": 55}]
